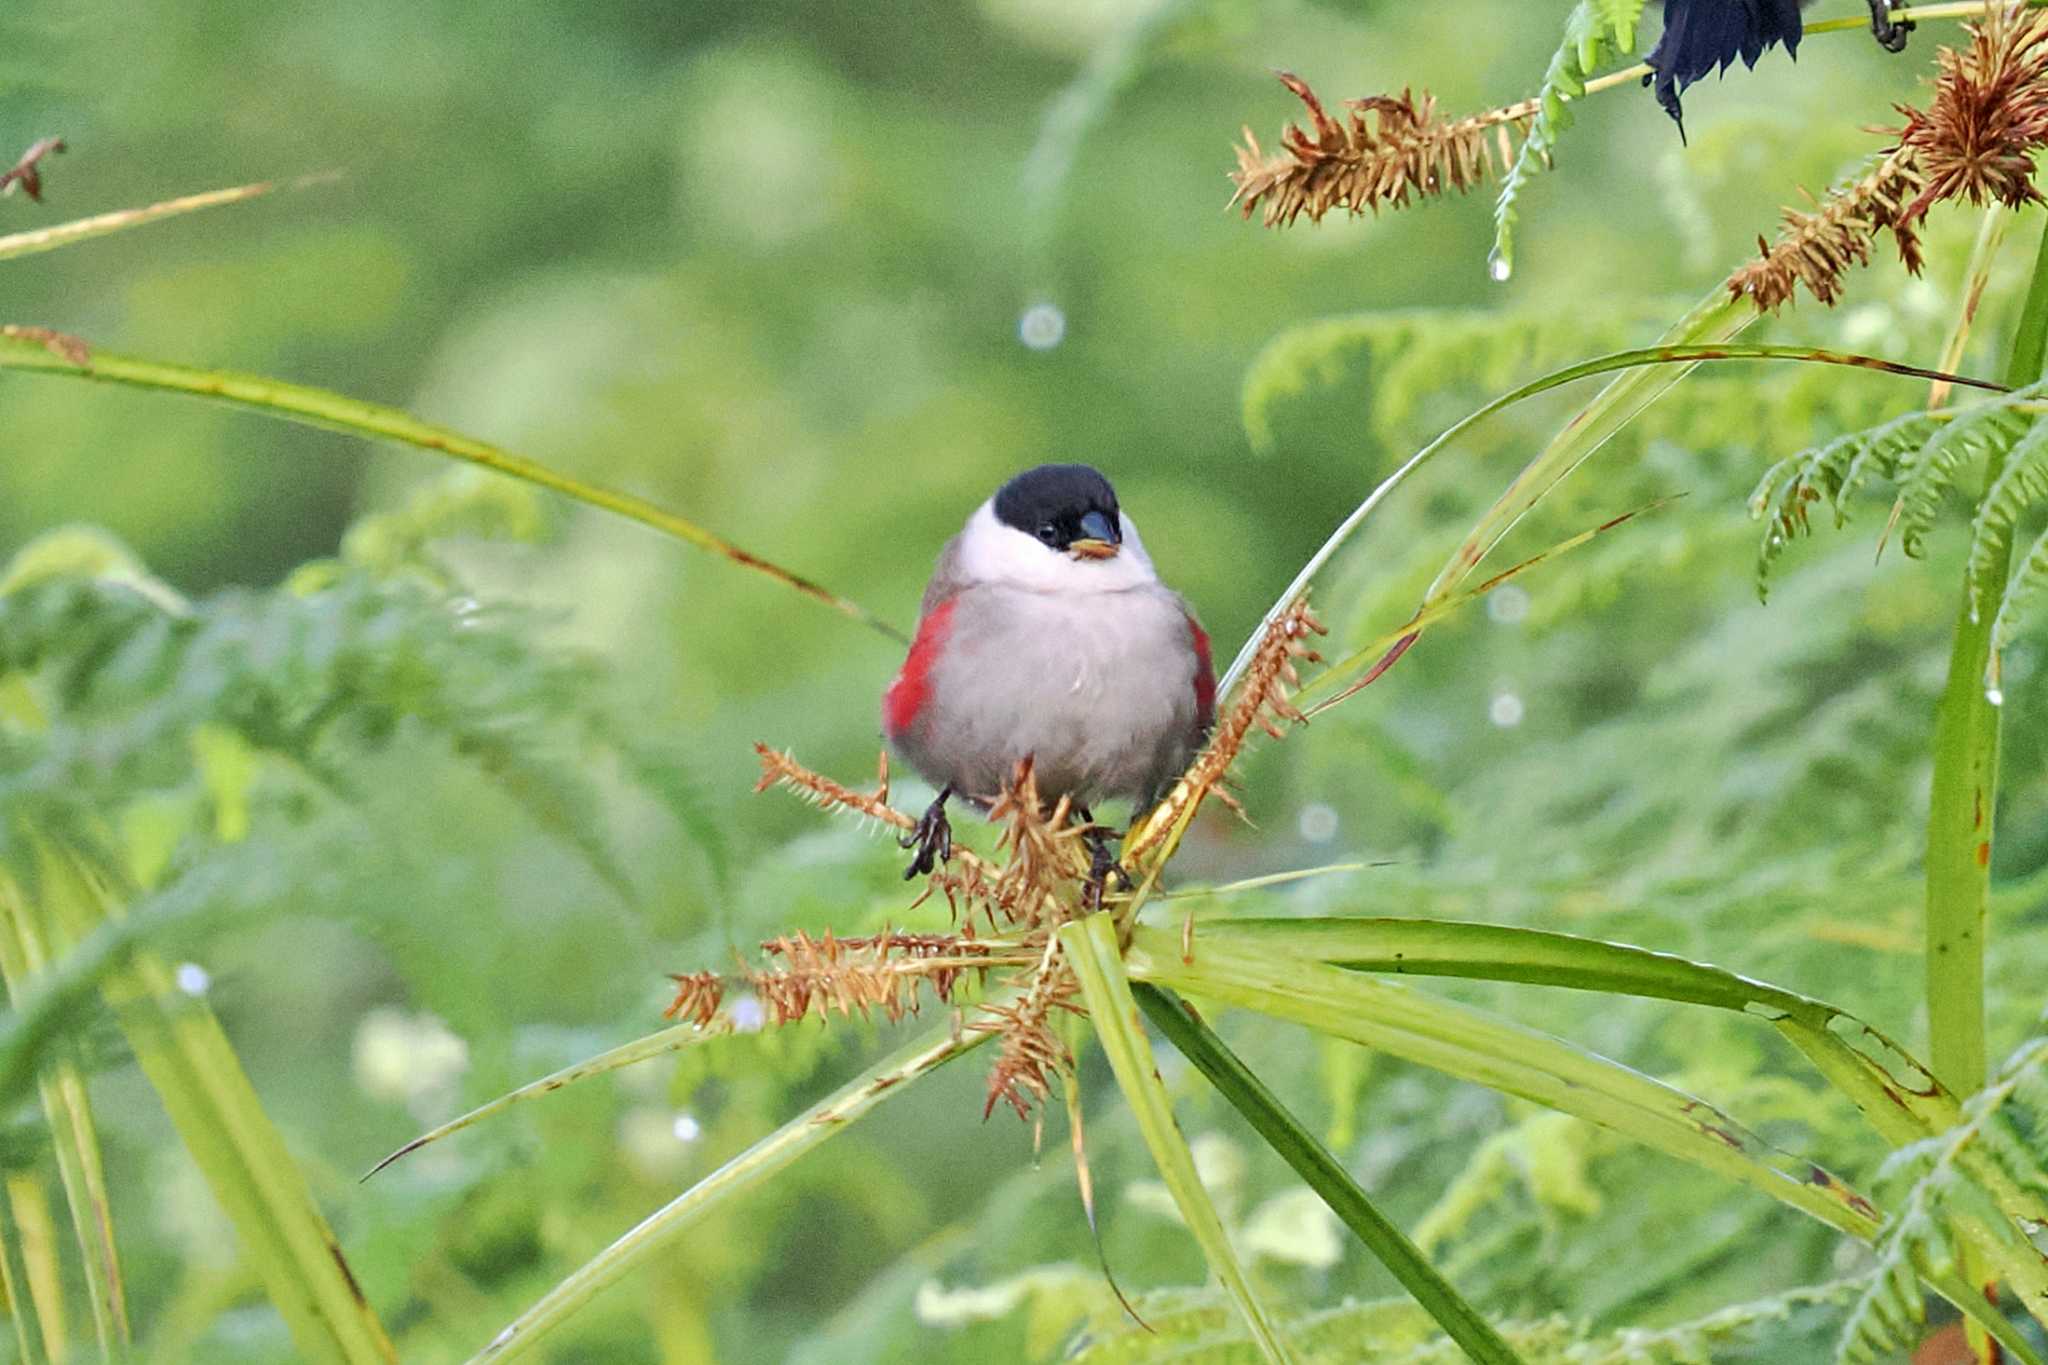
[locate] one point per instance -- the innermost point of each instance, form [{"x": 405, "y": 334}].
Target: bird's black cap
[{"x": 1059, "y": 504}]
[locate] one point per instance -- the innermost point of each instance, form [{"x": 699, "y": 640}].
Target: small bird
[
  {"x": 1045, "y": 633},
  {"x": 1702, "y": 34}
]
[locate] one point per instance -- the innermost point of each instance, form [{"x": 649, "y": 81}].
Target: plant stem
[
  {"x": 1965, "y": 791},
  {"x": 1962, "y": 805},
  {"x": 1314, "y": 1163}
]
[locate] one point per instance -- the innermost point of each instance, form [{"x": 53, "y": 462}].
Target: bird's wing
[{"x": 947, "y": 578}]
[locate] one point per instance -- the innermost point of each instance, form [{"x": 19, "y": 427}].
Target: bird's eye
[{"x": 1049, "y": 533}]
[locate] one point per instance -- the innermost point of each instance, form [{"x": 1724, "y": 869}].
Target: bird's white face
[{"x": 992, "y": 552}]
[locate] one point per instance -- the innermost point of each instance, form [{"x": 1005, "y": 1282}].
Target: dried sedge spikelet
[
  {"x": 1047, "y": 865},
  {"x": 1976, "y": 141},
  {"x": 1029, "y": 1052},
  {"x": 698, "y": 995},
  {"x": 1262, "y": 703},
  {"x": 843, "y": 975},
  {"x": 941, "y": 959},
  {"x": 1989, "y": 116},
  {"x": 1386, "y": 149},
  {"x": 779, "y": 769},
  {"x": 1817, "y": 248}
]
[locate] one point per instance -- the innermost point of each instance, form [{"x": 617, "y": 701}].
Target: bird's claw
[
  {"x": 1102, "y": 865},
  {"x": 932, "y": 837},
  {"x": 1890, "y": 35}
]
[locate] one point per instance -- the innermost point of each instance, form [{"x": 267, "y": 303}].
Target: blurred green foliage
[{"x": 774, "y": 266}]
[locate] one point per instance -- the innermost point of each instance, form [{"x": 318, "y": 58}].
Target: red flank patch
[
  {"x": 1205, "y": 676},
  {"x": 912, "y": 688}
]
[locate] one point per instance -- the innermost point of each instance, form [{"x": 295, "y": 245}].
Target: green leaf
[
  {"x": 1700, "y": 336},
  {"x": 751, "y": 1168},
  {"x": 638, "y": 1050},
  {"x": 1475, "y": 1046},
  {"x": 20, "y": 350},
  {"x": 188, "y": 1060},
  {"x": 1091, "y": 946},
  {"x": 1333, "y": 1184}
]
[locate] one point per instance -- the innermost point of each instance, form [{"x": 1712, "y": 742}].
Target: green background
[{"x": 766, "y": 265}]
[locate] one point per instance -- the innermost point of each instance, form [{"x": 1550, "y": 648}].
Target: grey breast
[{"x": 1098, "y": 688}]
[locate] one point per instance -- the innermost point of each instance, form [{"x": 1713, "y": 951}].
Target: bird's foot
[
  {"x": 932, "y": 837},
  {"x": 1890, "y": 34},
  {"x": 1102, "y": 864}
]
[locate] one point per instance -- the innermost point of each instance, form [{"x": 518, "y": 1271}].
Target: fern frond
[
  {"x": 1924, "y": 453},
  {"x": 1954, "y": 1183},
  {"x": 2021, "y": 597},
  {"x": 2021, "y": 486},
  {"x": 312, "y": 680},
  {"x": 1926, "y": 475},
  {"x": 1828, "y": 473},
  {"x": 1595, "y": 31}
]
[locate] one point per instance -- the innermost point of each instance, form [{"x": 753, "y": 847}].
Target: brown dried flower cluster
[
  {"x": 1989, "y": 117},
  {"x": 1262, "y": 703},
  {"x": 1037, "y": 882},
  {"x": 1385, "y": 150},
  {"x": 876, "y": 973},
  {"x": 1976, "y": 140},
  {"x": 1029, "y": 1052}
]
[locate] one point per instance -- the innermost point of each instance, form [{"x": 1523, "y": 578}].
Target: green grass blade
[
  {"x": 1963, "y": 800},
  {"x": 120, "y": 220},
  {"x": 42, "y": 1272},
  {"x": 188, "y": 1060},
  {"x": 638, "y": 1050},
  {"x": 1895, "y": 1091},
  {"x": 1091, "y": 946},
  {"x": 74, "y": 1139},
  {"x": 1475, "y": 1046},
  {"x": 40, "y": 352},
  {"x": 1706, "y": 330},
  {"x": 749, "y": 1169},
  {"x": 1650, "y": 371},
  {"x": 19, "y": 1305},
  {"x": 1326, "y": 1175}
]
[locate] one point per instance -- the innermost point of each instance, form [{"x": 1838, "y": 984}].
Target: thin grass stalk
[
  {"x": 1325, "y": 1174},
  {"x": 1097, "y": 957},
  {"x": 102, "y": 224},
  {"x": 29, "y": 1210},
  {"x": 759, "y": 1163},
  {"x": 1702, "y": 335},
  {"x": 14, "y": 1296},
  {"x": 40, "y": 351},
  {"x": 74, "y": 1138},
  {"x": 1991, "y": 233},
  {"x": 185, "y": 1055}
]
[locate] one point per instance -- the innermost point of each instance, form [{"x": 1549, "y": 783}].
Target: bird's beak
[{"x": 1101, "y": 539}]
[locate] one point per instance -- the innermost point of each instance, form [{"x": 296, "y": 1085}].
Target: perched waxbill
[
  {"x": 1700, "y": 35},
  {"x": 1045, "y": 633}
]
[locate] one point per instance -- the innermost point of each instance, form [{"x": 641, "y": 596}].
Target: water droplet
[
  {"x": 193, "y": 979},
  {"x": 1994, "y": 696},
  {"x": 1508, "y": 605},
  {"x": 686, "y": 1128},
  {"x": 1499, "y": 266},
  {"x": 748, "y": 1015},
  {"x": 1317, "y": 823},
  {"x": 1506, "y": 711},
  {"x": 1042, "y": 327}
]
